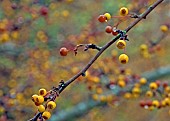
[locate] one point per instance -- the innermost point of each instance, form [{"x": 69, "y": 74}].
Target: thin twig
[
  {"x": 134, "y": 15},
  {"x": 86, "y": 47}
]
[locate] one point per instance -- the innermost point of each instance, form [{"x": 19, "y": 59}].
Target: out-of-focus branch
[
  {"x": 154, "y": 43},
  {"x": 84, "y": 107}
]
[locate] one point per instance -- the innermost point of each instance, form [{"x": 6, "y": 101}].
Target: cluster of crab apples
[
  {"x": 121, "y": 43},
  {"x": 39, "y": 100}
]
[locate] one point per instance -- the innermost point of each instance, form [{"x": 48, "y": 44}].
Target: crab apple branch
[
  {"x": 82, "y": 72},
  {"x": 63, "y": 84}
]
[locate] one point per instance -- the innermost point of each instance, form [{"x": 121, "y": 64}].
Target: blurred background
[{"x": 31, "y": 35}]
